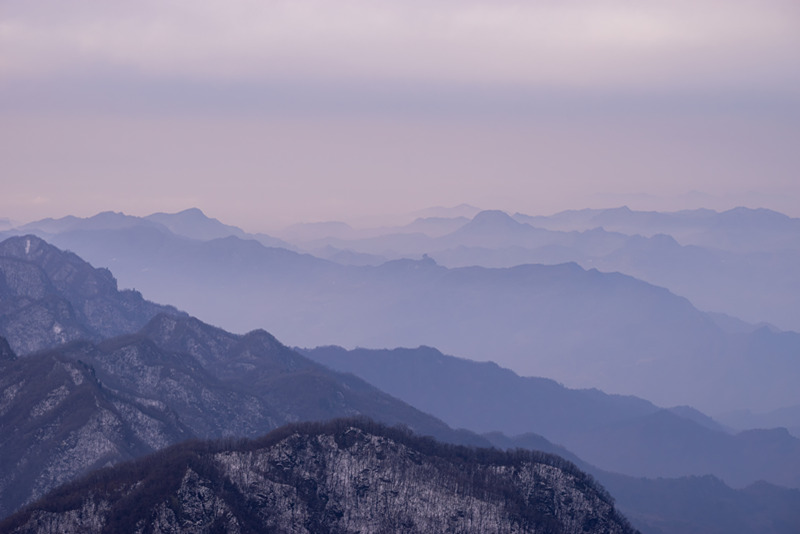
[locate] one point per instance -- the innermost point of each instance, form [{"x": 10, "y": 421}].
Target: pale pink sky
[{"x": 264, "y": 113}]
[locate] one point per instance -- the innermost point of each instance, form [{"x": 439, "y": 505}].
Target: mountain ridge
[
  {"x": 142, "y": 396},
  {"x": 49, "y": 297},
  {"x": 545, "y": 320},
  {"x": 348, "y": 476},
  {"x": 626, "y": 435}
]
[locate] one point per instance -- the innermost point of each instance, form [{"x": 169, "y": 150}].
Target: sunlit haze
[{"x": 267, "y": 113}]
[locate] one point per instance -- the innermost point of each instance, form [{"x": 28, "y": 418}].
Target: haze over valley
[
  {"x": 356, "y": 266},
  {"x": 177, "y": 377},
  {"x": 584, "y": 328}
]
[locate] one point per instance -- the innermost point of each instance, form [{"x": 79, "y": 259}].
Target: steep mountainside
[
  {"x": 85, "y": 405},
  {"x": 82, "y": 405},
  {"x": 581, "y": 327},
  {"x": 59, "y": 422},
  {"x": 48, "y": 297},
  {"x": 621, "y": 434},
  {"x": 345, "y": 476},
  {"x": 477, "y": 395}
]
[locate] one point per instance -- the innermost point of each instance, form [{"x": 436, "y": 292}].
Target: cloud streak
[{"x": 574, "y": 43}]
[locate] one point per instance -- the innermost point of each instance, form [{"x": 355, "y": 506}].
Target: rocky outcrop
[
  {"x": 345, "y": 476},
  {"x": 49, "y": 297}
]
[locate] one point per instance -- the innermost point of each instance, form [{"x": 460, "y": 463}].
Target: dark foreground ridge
[
  {"x": 81, "y": 406},
  {"x": 348, "y": 475}
]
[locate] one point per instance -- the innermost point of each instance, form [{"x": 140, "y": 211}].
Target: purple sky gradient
[{"x": 266, "y": 113}]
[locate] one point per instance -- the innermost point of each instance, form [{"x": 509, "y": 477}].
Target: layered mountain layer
[{"x": 344, "y": 476}]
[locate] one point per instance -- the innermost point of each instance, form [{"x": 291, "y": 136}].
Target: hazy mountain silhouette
[
  {"x": 479, "y": 395},
  {"x": 194, "y": 224},
  {"x": 581, "y": 327},
  {"x": 704, "y": 505},
  {"x": 738, "y": 230},
  {"x": 314, "y": 237},
  {"x": 741, "y": 262},
  {"x": 191, "y": 223},
  {"x": 620, "y": 434},
  {"x": 107, "y": 220},
  {"x": 86, "y": 404},
  {"x": 433, "y": 226},
  {"x": 787, "y": 417}
]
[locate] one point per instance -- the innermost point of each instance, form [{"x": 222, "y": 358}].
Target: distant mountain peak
[
  {"x": 192, "y": 211},
  {"x": 114, "y": 219},
  {"x": 109, "y": 213},
  {"x": 620, "y": 209},
  {"x": 493, "y": 221},
  {"x": 407, "y": 264},
  {"x": 24, "y": 247},
  {"x": 190, "y": 214},
  {"x": 493, "y": 216},
  {"x": 195, "y": 224},
  {"x": 750, "y": 215}
]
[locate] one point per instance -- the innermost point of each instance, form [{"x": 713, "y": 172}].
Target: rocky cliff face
[
  {"x": 345, "y": 476},
  {"x": 49, "y": 297}
]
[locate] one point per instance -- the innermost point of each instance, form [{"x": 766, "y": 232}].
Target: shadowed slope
[{"x": 345, "y": 476}]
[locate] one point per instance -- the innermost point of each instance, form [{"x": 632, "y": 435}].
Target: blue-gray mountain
[
  {"x": 741, "y": 262},
  {"x": 66, "y": 411},
  {"x": 81, "y": 405},
  {"x": 736, "y": 230},
  {"x": 48, "y": 297},
  {"x": 345, "y": 476},
  {"x": 620, "y": 434},
  {"x": 788, "y": 417},
  {"x": 581, "y": 327},
  {"x": 89, "y": 404}
]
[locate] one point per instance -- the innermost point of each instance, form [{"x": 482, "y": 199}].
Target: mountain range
[
  {"x": 48, "y": 297},
  {"x": 740, "y": 262},
  {"x": 615, "y": 433},
  {"x": 344, "y": 476},
  {"x": 88, "y": 403},
  {"x": 83, "y": 404},
  {"x": 584, "y": 328}
]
